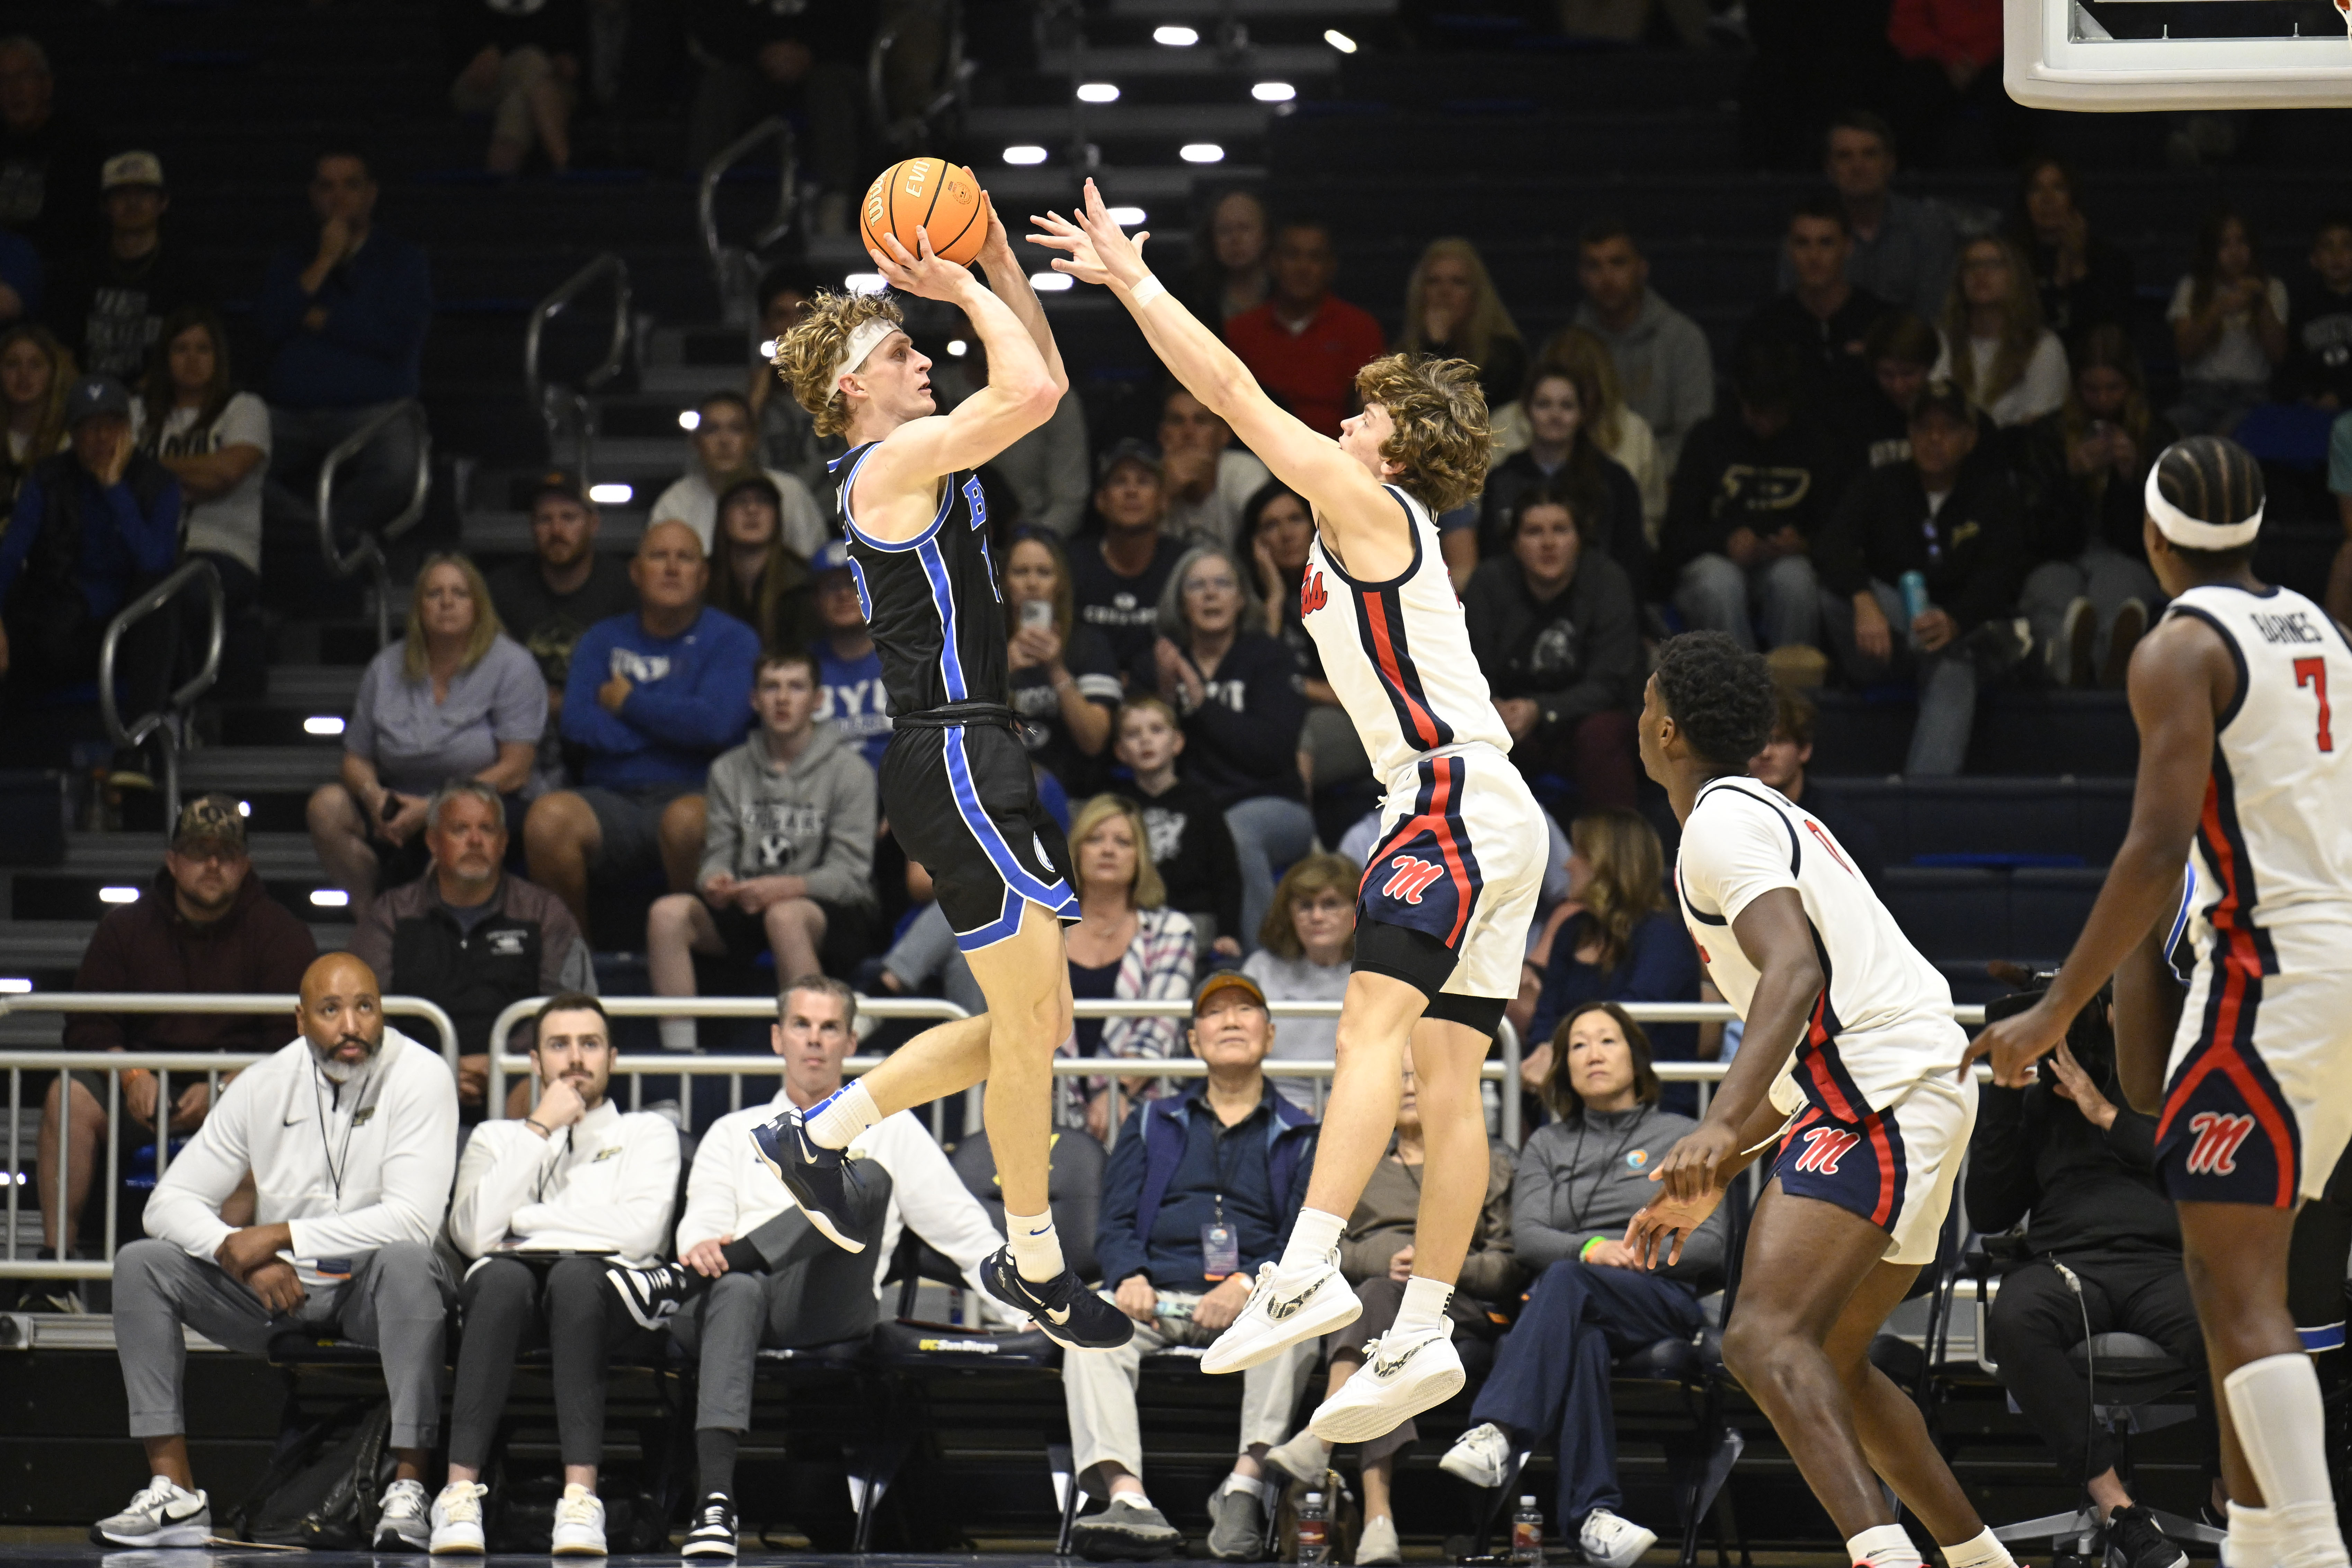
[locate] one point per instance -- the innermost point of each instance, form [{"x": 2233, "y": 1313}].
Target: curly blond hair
[
  {"x": 1441, "y": 425},
  {"x": 808, "y": 352}
]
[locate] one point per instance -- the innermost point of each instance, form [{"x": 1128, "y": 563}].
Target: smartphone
[{"x": 1038, "y": 613}]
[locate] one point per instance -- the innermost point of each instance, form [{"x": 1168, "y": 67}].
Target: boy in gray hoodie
[{"x": 787, "y": 850}]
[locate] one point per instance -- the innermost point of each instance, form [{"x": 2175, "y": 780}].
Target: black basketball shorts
[{"x": 961, "y": 801}]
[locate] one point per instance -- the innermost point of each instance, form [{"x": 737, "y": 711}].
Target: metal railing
[
  {"x": 368, "y": 554},
  {"x": 168, "y": 719},
  {"x": 556, "y": 405},
  {"x": 734, "y": 268}
]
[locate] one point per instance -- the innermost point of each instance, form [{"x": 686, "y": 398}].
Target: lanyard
[{"x": 1576, "y": 1215}]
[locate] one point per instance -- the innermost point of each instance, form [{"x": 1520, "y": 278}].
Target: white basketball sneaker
[
  {"x": 1405, "y": 1372},
  {"x": 579, "y": 1524},
  {"x": 456, "y": 1520},
  {"x": 1284, "y": 1307}
]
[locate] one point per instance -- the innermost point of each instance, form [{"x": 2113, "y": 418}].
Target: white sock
[
  {"x": 2274, "y": 1403},
  {"x": 677, "y": 1035},
  {"x": 1980, "y": 1550},
  {"x": 1425, "y": 1304},
  {"x": 1136, "y": 1497},
  {"x": 1314, "y": 1236},
  {"x": 2252, "y": 1541},
  {"x": 1883, "y": 1546},
  {"x": 1037, "y": 1249},
  {"x": 840, "y": 1117},
  {"x": 1236, "y": 1481}
]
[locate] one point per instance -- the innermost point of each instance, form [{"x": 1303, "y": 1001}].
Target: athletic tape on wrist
[
  {"x": 1147, "y": 291},
  {"x": 2195, "y": 534}
]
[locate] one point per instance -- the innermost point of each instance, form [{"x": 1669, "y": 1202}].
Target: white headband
[
  {"x": 2194, "y": 533},
  {"x": 862, "y": 342}
]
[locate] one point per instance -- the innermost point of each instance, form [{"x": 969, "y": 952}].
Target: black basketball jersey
[{"x": 931, "y": 603}]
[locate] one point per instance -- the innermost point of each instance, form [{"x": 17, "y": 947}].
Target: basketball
[{"x": 928, "y": 194}]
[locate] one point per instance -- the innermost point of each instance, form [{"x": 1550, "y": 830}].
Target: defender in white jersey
[
  {"x": 2238, "y": 758},
  {"x": 1445, "y": 903},
  {"x": 1849, "y": 1072}
]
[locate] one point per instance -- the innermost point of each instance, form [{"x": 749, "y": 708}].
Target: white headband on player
[
  {"x": 2194, "y": 533},
  {"x": 868, "y": 337}
]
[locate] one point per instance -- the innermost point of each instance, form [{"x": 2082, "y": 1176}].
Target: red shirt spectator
[
  {"x": 1949, "y": 32},
  {"x": 1304, "y": 346}
]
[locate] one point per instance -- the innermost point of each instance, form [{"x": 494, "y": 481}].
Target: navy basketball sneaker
[
  {"x": 1069, "y": 1315},
  {"x": 819, "y": 1179}
]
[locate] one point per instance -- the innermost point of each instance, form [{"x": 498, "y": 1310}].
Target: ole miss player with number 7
[
  {"x": 1443, "y": 914},
  {"x": 2238, "y": 758}
]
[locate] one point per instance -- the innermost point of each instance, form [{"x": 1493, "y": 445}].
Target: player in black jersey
[{"x": 956, "y": 784}]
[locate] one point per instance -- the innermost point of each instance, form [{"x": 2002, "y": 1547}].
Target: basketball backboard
[{"x": 2123, "y": 55}]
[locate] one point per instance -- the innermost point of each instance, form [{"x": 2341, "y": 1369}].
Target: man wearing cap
[
  {"x": 203, "y": 923},
  {"x": 1958, "y": 524},
  {"x": 565, "y": 586},
  {"x": 724, "y": 444},
  {"x": 108, "y": 303},
  {"x": 1202, "y": 1189},
  {"x": 1116, "y": 580},
  {"x": 849, "y": 692}
]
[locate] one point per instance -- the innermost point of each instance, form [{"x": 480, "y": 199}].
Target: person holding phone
[{"x": 1063, "y": 682}]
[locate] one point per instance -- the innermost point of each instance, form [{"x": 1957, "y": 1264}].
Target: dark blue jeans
[{"x": 1551, "y": 1370}]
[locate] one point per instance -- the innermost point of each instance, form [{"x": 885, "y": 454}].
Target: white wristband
[{"x": 1147, "y": 291}]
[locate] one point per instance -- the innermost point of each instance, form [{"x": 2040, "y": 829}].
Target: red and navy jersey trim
[
  {"x": 1434, "y": 830},
  {"x": 1379, "y": 628},
  {"x": 2223, "y": 841}
]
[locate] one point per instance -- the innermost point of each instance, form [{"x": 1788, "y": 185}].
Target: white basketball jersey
[
  {"x": 1883, "y": 1021},
  {"x": 2275, "y": 835},
  {"x": 1398, "y": 654}
]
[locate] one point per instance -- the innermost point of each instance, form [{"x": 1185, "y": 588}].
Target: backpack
[{"x": 321, "y": 1490}]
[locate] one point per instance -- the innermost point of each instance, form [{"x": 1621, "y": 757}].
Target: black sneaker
[
  {"x": 1068, "y": 1313},
  {"x": 819, "y": 1179},
  {"x": 713, "y": 1535},
  {"x": 2134, "y": 1535}
]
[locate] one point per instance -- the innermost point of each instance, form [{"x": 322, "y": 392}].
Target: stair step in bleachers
[
  {"x": 2034, "y": 734},
  {"x": 1278, "y": 62},
  {"x": 2080, "y": 821},
  {"x": 1982, "y": 912}
]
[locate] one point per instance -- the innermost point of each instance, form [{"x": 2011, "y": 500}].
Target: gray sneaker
[
  {"x": 1237, "y": 1525},
  {"x": 1126, "y": 1531},
  {"x": 159, "y": 1514}
]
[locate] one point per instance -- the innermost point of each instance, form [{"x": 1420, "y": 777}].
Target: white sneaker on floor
[
  {"x": 161, "y": 1513},
  {"x": 1405, "y": 1372},
  {"x": 400, "y": 1521},
  {"x": 1378, "y": 1544},
  {"x": 1481, "y": 1456},
  {"x": 1284, "y": 1307},
  {"x": 456, "y": 1518},
  {"x": 579, "y": 1524},
  {"x": 1610, "y": 1542}
]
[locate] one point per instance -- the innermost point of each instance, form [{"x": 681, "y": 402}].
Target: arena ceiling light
[
  {"x": 1098, "y": 93},
  {"x": 322, "y": 725},
  {"x": 14, "y": 986},
  {"x": 864, "y": 283},
  {"x": 1050, "y": 282},
  {"x": 118, "y": 895},
  {"x": 329, "y": 898},
  {"x": 1273, "y": 92},
  {"x": 1202, "y": 152},
  {"x": 616, "y": 495},
  {"x": 688, "y": 420},
  {"x": 1339, "y": 40},
  {"x": 1175, "y": 37},
  {"x": 958, "y": 348},
  {"x": 1023, "y": 154},
  {"x": 1126, "y": 217}
]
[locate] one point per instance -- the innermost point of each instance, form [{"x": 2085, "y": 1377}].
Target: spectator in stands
[
  {"x": 1376, "y": 1257},
  {"x": 1783, "y": 763},
  {"x": 1580, "y": 1178},
  {"x": 1619, "y": 431},
  {"x": 1209, "y": 481},
  {"x": 214, "y": 439},
  {"x": 1117, "y": 579},
  {"x": 2090, "y": 594},
  {"x": 348, "y": 327},
  {"x": 349, "y": 1136},
  {"x": 1304, "y": 345},
  {"x": 1304, "y": 952},
  {"x": 806, "y": 64},
  {"x": 2068, "y": 1157},
  {"x": 1045, "y": 471},
  {"x": 457, "y": 699},
  {"x": 49, "y": 162},
  {"x": 1556, "y": 628},
  {"x": 2229, "y": 326},
  {"x": 787, "y": 850},
  {"x": 22, "y": 278},
  {"x": 1062, "y": 680},
  {"x": 1276, "y": 530},
  {"x": 588, "y": 1186},
  {"x": 650, "y": 699},
  {"x": 546, "y": 601},
  {"x": 848, "y": 671},
  {"x": 519, "y": 66},
  {"x": 1902, "y": 350},
  {"x": 2082, "y": 279},
  {"x": 1950, "y": 89},
  {"x": 788, "y": 440},
  {"x": 1661, "y": 355},
  {"x": 1228, "y": 1151},
  {"x": 1822, "y": 320},
  {"x": 1238, "y": 692},
  {"x": 1127, "y": 946},
  {"x": 723, "y": 449},
  {"x": 35, "y": 373},
  {"x": 1995, "y": 350},
  {"x": 775, "y": 1281},
  {"x": 1563, "y": 454},
  {"x": 204, "y": 923},
  {"x": 759, "y": 579},
  {"x": 109, "y": 302},
  {"x": 2318, "y": 367},
  {"x": 1450, "y": 310},
  {"x": 1192, "y": 847},
  {"x": 1754, "y": 487},
  {"x": 1902, "y": 245},
  {"x": 470, "y": 937},
  {"x": 1958, "y": 524},
  {"x": 1231, "y": 279}
]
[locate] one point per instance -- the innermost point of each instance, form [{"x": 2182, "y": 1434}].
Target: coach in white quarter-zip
[
  {"x": 563, "y": 1215},
  {"x": 350, "y": 1134}
]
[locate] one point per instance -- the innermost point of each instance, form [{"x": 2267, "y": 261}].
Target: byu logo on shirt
[{"x": 641, "y": 668}]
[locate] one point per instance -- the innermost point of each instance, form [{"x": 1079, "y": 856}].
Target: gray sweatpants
[{"x": 398, "y": 1299}]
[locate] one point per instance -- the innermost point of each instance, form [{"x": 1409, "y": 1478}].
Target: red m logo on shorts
[
  {"x": 2218, "y": 1133},
  {"x": 1413, "y": 874},
  {"x": 1311, "y": 594},
  {"x": 1824, "y": 1147}
]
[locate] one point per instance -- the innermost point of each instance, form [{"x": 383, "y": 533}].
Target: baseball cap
[
  {"x": 1943, "y": 397},
  {"x": 832, "y": 557},
  {"x": 1126, "y": 449},
  {"x": 131, "y": 169},
  {"x": 1226, "y": 980},
  {"x": 210, "y": 819},
  {"x": 93, "y": 396},
  {"x": 560, "y": 482}
]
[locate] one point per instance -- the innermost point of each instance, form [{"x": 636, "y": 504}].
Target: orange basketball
[{"x": 929, "y": 193}]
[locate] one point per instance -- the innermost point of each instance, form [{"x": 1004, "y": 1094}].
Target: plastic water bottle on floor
[
  {"x": 1313, "y": 1531},
  {"x": 1526, "y": 1534}
]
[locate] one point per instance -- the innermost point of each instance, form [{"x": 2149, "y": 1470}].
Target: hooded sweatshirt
[
  {"x": 1665, "y": 367},
  {"x": 257, "y": 945},
  {"x": 1576, "y": 654},
  {"x": 811, "y": 819},
  {"x": 1585, "y": 1178}
]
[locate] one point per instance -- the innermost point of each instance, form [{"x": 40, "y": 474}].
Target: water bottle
[
  {"x": 1526, "y": 1534},
  {"x": 1314, "y": 1532},
  {"x": 1914, "y": 595}
]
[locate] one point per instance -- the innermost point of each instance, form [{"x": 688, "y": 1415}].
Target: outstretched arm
[{"x": 1010, "y": 284}]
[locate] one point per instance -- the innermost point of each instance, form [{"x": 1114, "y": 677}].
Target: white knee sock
[
  {"x": 1980, "y": 1550},
  {"x": 1425, "y": 1304},
  {"x": 841, "y": 1116},
  {"x": 1882, "y": 1546},
  {"x": 1037, "y": 1249},
  {"x": 2252, "y": 1541},
  {"x": 2275, "y": 1406},
  {"x": 1314, "y": 1236},
  {"x": 677, "y": 1035}
]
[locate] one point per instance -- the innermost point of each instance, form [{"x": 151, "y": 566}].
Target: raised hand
[
  {"x": 922, "y": 274},
  {"x": 1096, "y": 249}
]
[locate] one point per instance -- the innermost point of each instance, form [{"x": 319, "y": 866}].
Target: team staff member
[
  {"x": 350, "y": 1134},
  {"x": 580, "y": 1176}
]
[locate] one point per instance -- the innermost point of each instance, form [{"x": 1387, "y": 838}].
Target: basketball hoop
[{"x": 2111, "y": 55}]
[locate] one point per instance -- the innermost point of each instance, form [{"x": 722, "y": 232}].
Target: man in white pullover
[
  {"x": 774, "y": 1278},
  {"x": 350, "y": 1134},
  {"x": 562, "y": 1214}
]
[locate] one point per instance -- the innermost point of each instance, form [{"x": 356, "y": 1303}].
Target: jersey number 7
[{"x": 2313, "y": 672}]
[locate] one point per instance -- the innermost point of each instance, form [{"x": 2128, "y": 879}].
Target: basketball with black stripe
[{"x": 928, "y": 194}]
